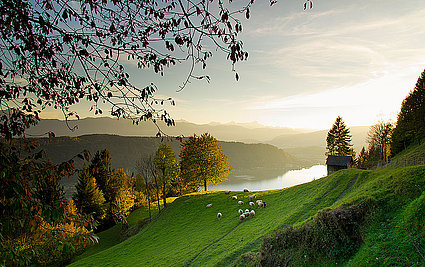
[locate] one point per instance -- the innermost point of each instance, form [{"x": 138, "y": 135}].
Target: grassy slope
[
  {"x": 413, "y": 155},
  {"x": 187, "y": 228},
  {"x": 111, "y": 236}
]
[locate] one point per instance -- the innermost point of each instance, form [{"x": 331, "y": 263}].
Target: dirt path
[
  {"x": 205, "y": 248},
  {"x": 352, "y": 182}
]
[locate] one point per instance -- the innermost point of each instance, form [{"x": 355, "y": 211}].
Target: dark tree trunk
[
  {"x": 157, "y": 195},
  {"x": 164, "y": 197},
  {"x": 149, "y": 200},
  {"x": 205, "y": 184}
]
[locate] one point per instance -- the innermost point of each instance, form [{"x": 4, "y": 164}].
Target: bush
[{"x": 333, "y": 235}]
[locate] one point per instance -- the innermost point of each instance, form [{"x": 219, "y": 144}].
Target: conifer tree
[
  {"x": 410, "y": 127},
  {"x": 89, "y": 198},
  {"x": 100, "y": 168},
  {"x": 338, "y": 140}
]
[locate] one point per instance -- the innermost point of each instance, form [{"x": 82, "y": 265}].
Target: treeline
[
  {"x": 384, "y": 139},
  {"x": 38, "y": 226}
]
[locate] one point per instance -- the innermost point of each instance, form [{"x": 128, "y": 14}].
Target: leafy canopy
[
  {"x": 57, "y": 53},
  {"x": 203, "y": 162}
]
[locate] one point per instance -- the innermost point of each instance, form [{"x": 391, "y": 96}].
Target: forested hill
[{"x": 126, "y": 151}]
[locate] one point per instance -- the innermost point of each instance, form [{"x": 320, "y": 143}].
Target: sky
[{"x": 357, "y": 59}]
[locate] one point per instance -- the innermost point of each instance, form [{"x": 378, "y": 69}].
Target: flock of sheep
[{"x": 247, "y": 213}]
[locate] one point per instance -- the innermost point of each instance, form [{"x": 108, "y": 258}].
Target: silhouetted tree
[
  {"x": 338, "y": 140},
  {"x": 203, "y": 162},
  {"x": 410, "y": 126},
  {"x": 379, "y": 136},
  {"x": 56, "y": 53}
]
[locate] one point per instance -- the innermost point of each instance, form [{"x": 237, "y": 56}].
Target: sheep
[
  {"x": 242, "y": 217},
  {"x": 240, "y": 211},
  {"x": 240, "y": 202},
  {"x": 209, "y": 205},
  {"x": 226, "y": 192},
  {"x": 245, "y": 190},
  {"x": 252, "y": 213},
  {"x": 258, "y": 200},
  {"x": 252, "y": 197},
  {"x": 247, "y": 210},
  {"x": 234, "y": 197},
  {"x": 251, "y": 204},
  {"x": 219, "y": 215},
  {"x": 260, "y": 204}
]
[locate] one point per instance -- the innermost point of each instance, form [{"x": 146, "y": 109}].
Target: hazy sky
[{"x": 357, "y": 59}]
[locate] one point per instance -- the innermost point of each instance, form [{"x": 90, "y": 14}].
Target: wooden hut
[{"x": 336, "y": 163}]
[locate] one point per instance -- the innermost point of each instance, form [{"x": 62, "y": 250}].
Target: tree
[
  {"x": 147, "y": 169},
  {"x": 379, "y": 136},
  {"x": 362, "y": 159},
  {"x": 338, "y": 139},
  {"x": 203, "y": 162},
  {"x": 122, "y": 204},
  {"x": 168, "y": 167},
  {"x": 89, "y": 198},
  {"x": 57, "y": 53},
  {"x": 100, "y": 168},
  {"x": 410, "y": 126}
]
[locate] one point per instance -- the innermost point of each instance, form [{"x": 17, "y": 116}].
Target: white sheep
[
  {"x": 242, "y": 217},
  {"x": 251, "y": 204},
  {"x": 247, "y": 210},
  {"x": 209, "y": 205},
  {"x": 260, "y": 204},
  {"x": 219, "y": 215},
  {"x": 245, "y": 190},
  {"x": 258, "y": 200},
  {"x": 252, "y": 213},
  {"x": 240, "y": 211},
  {"x": 234, "y": 197},
  {"x": 240, "y": 202},
  {"x": 252, "y": 197},
  {"x": 246, "y": 214}
]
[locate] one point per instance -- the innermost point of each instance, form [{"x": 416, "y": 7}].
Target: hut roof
[{"x": 339, "y": 160}]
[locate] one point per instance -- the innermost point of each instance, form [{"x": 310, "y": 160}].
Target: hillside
[
  {"x": 126, "y": 151},
  {"x": 389, "y": 228},
  {"x": 260, "y": 160}
]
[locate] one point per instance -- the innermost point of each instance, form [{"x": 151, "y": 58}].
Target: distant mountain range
[
  {"x": 305, "y": 144},
  {"x": 243, "y": 132}
]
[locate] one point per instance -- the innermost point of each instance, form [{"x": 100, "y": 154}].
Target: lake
[{"x": 289, "y": 178}]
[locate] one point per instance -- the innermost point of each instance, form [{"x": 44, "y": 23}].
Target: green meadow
[{"x": 187, "y": 233}]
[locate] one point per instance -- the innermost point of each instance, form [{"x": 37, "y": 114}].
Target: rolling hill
[{"x": 387, "y": 229}]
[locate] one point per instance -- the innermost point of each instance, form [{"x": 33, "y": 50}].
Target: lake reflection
[{"x": 287, "y": 179}]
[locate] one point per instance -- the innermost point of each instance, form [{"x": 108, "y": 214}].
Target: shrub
[{"x": 333, "y": 235}]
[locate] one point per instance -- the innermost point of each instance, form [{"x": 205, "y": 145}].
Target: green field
[{"x": 188, "y": 233}]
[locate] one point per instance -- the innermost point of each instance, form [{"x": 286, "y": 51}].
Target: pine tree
[
  {"x": 410, "y": 127},
  {"x": 100, "y": 168},
  {"x": 338, "y": 140},
  {"x": 89, "y": 198}
]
